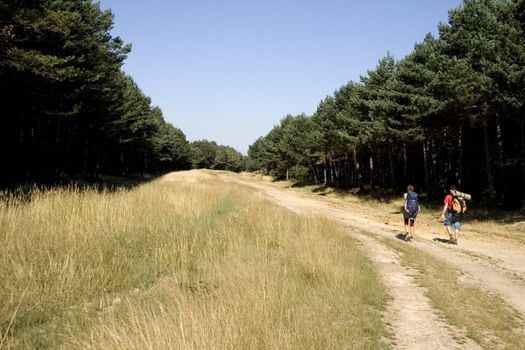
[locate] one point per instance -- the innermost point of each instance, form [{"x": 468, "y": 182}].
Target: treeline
[
  {"x": 206, "y": 154},
  {"x": 67, "y": 109},
  {"x": 451, "y": 112}
]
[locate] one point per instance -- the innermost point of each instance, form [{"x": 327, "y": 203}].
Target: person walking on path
[
  {"x": 410, "y": 211},
  {"x": 453, "y": 211}
]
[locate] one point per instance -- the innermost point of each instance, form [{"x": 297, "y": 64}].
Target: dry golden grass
[{"x": 184, "y": 262}]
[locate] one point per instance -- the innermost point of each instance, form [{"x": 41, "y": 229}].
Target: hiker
[
  {"x": 410, "y": 210},
  {"x": 453, "y": 212}
]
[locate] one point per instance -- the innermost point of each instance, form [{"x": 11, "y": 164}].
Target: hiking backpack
[
  {"x": 459, "y": 206},
  {"x": 412, "y": 202}
]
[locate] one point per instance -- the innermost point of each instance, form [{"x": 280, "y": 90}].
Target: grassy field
[{"x": 185, "y": 261}]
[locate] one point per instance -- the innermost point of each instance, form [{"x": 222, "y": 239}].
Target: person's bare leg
[
  {"x": 456, "y": 235},
  {"x": 450, "y": 233},
  {"x": 412, "y": 228}
]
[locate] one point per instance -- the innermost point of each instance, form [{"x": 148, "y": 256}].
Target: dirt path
[
  {"x": 414, "y": 323},
  {"x": 496, "y": 267}
]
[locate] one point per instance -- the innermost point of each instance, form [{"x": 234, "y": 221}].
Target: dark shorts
[{"x": 409, "y": 216}]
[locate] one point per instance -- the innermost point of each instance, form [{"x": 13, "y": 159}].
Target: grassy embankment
[{"x": 186, "y": 261}]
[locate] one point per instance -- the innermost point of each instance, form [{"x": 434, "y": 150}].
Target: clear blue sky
[{"x": 229, "y": 70}]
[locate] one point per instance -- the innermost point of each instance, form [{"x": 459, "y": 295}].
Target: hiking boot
[{"x": 454, "y": 241}]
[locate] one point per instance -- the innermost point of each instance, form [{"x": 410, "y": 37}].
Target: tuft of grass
[
  {"x": 186, "y": 261},
  {"x": 486, "y": 318}
]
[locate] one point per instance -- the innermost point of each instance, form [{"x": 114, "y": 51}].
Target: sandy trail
[
  {"x": 413, "y": 320},
  {"x": 498, "y": 267},
  {"x": 415, "y": 324}
]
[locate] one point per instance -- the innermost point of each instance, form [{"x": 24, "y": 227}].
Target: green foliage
[
  {"x": 300, "y": 173},
  {"x": 420, "y": 120},
  {"x": 68, "y": 109},
  {"x": 206, "y": 154}
]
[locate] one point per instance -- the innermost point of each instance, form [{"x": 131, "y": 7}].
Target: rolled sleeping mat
[{"x": 462, "y": 194}]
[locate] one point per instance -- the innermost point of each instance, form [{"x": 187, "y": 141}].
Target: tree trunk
[
  {"x": 335, "y": 165},
  {"x": 405, "y": 162},
  {"x": 433, "y": 166},
  {"x": 460, "y": 157},
  {"x": 347, "y": 171},
  {"x": 325, "y": 180},
  {"x": 314, "y": 170},
  {"x": 426, "y": 167},
  {"x": 145, "y": 148},
  {"x": 57, "y": 144},
  {"x": 522, "y": 126},
  {"x": 488, "y": 160},
  {"x": 501, "y": 161},
  {"x": 358, "y": 170},
  {"x": 371, "y": 160},
  {"x": 392, "y": 166},
  {"x": 31, "y": 155},
  {"x": 86, "y": 153}
]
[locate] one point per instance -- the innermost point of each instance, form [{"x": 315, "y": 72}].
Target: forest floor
[{"x": 428, "y": 311}]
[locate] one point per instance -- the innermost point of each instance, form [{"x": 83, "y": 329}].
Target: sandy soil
[{"x": 497, "y": 266}]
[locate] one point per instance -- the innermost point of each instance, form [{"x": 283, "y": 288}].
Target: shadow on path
[
  {"x": 403, "y": 237},
  {"x": 442, "y": 240}
]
